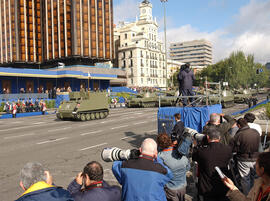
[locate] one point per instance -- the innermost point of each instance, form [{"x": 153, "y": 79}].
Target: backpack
[{"x": 184, "y": 144}]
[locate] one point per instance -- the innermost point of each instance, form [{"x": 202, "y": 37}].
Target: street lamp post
[{"x": 165, "y": 40}]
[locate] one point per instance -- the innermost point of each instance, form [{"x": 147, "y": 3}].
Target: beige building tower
[
  {"x": 139, "y": 50},
  {"x": 197, "y": 52}
]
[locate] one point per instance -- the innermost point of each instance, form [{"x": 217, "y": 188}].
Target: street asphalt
[{"x": 65, "y": 147}]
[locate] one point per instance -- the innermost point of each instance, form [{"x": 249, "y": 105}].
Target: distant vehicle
[
  {"x": 262, "y": 90},
  {"x": 227, "y": 98},
  {"x": 142, "y": 100},
  {"x": 84, "y": 106},
  {"x": 242, "y": 96}
]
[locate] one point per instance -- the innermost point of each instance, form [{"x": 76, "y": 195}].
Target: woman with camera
[
  {"x": 261, "y": 188},
  {"x": 176, "y": 188}
]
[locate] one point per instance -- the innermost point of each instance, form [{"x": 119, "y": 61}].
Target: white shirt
[{"x": 256, "y": 127}]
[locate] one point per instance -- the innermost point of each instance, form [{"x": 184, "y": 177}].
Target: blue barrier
[
  {"x": 193, "y": 117},
  {"x": 19, "y": 115},
  {"x": 122, "y": 89},
  {"x": 246, "y": 110}
]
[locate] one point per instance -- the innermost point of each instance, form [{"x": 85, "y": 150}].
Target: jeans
[
  {"x": 247, "y": 172},
  {"x": 175, "y": 195}
]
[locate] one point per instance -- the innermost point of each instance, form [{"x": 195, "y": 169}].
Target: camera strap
[
  {"x": 146, "y": 157},
  {"x": 98, "y": 184}
]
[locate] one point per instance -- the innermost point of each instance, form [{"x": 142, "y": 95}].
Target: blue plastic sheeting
[
  {"x": 60, "y": 98},
  {"x": 122, "y": 89},
  {"x": 193, "y": 117},
  {"x": 19, "y": 115},
  {"x": 246, "y": 110}
]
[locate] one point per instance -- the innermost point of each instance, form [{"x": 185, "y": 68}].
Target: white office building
[{"x": 140, "y": 52}]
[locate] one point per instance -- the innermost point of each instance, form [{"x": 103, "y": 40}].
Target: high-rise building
[
  {"x": 45, "y": 32},
  {"x": 197, "y": 52},
  {"x": 140, "y": 52}
]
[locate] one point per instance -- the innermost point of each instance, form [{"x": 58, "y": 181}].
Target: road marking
[
  {"x": 142, "y": 122},
  {"x": 91, "y": 132},
  {"x": 151, "y": 131},
  {"x": 10, "y": 137},
  {"x": 48, "y": 141},
  {"x": 126, "y": 137},
  {"x": 39, "y": 123},
  {"x": 119, "y": 127},
  {"x": 58, "y": 129},
  {"x": 98, "y": 145}
]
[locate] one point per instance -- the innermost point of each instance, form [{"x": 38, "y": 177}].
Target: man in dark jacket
[
  {"x": 95, "y": 188},
  {"x": 38, "y": 185},
  {"x": 246, "y": 145},
  {"x": 223, "y": 127},
  {"x": 143, "y": 178},
  {"x": 178, "y": 128},
  {"x": 208, "y": 157},
  {"x": 186, "y": 78}
]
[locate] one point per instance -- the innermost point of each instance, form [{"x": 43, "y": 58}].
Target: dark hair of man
[
  {"x": 249, "y": 117},
  {"x": 177, "y": 116},
  {"x": 94, "y": 171},
  {"x": 163, "y": 141},
  {"x": 187, "y": 65},
  {"x": 264, "y": 161},
  {"x": 213, "y": 133},
  {"x": 242, "y": 122}
]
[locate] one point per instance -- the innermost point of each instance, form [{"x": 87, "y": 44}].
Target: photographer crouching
[
  {"x": 142, "y": 175},
  {"x": 89, "y": 185}
]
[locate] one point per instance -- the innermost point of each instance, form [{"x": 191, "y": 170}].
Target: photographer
[
  {"x": 214, "y": 154},
  {"x": 94, "y": 187},
  {"x": 179, "y": 165},
  {"x": 143, "y": 178}
]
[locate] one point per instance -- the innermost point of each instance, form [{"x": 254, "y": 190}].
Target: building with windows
[
  {"x": 76, "y": 35},
  {"x": 140, "y": 52},
  {"x": 197, "y": 52},
  {"x": 40, "y": 33}
]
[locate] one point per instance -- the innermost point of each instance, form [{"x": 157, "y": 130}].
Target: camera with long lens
[{"x": 116, "y": 154}]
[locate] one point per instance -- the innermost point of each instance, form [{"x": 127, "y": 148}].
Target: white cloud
[
  {"x": 126, "y": 10},
  {"x": 250, "y": 33}
]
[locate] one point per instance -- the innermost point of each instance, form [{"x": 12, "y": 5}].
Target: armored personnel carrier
[
  {"x": 142, "y": 100},
  {"x": 227, "y": 98},
  {"x": 243, "y": 96},
  {"x": 84, "y": 106}
]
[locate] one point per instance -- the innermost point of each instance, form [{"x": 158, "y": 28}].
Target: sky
[{"x": 230, "y": 25}]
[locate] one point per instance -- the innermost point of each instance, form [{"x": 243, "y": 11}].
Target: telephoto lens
[{"x": 114, "y": 154}]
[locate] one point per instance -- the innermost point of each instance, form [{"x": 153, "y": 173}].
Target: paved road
[{"x": 64, "y": 147}]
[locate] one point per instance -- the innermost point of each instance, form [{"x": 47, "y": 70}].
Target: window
[
  {"x": 124, "y": 64},
  {"x": 131, "y": 63},
  {"x": 126, "y": 36}
]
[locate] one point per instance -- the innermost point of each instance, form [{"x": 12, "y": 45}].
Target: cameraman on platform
[
  {"x": 143, "y": 178},
  {"x": 94, "y": 187}
]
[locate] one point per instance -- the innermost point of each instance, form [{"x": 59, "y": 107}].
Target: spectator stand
[
  {"x": 60, "y": 97},
  {"x": 193, "y": 117}
]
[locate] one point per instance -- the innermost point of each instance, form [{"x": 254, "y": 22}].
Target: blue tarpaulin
[{"x": 193, "y": 117}]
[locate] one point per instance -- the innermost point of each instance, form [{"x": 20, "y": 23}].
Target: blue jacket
[
  {"x": 179, "y": 166},
  {"x": 142, "y": 179},
  {"x": 42, "y": 191},
  {"x": 94, "y": 193}
]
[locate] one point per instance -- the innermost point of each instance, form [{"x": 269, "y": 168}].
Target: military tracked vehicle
[
  {"x": 245, "y": 96},
  {"x": 227, "y": 98},
  {"x": 84, "y": 106},
  {"x": 142, "y": 100}
]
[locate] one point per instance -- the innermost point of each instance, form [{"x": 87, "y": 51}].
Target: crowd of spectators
[
  {"x": 159, "y": 171},
  {"x": 22, "y": 106}
]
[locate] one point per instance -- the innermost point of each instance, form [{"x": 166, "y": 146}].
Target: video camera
[{"x": 116, "y": 154}]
